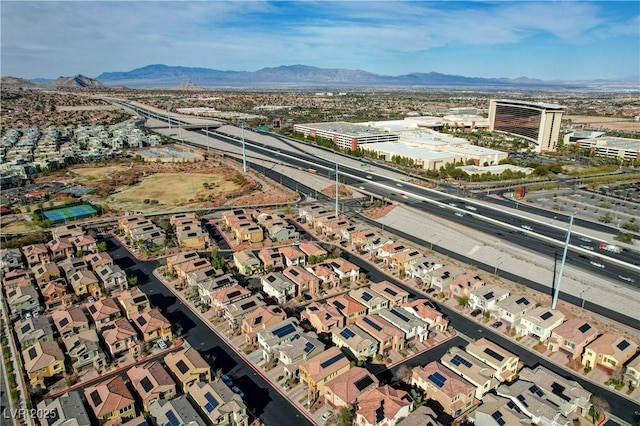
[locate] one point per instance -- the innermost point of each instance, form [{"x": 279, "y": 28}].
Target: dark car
[
  {"x": 476, "y": 312},
  {"x": 496, "y": 324}
]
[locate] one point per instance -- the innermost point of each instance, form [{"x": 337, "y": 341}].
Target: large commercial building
[
  {"x": 609, "y": 146},
  {"x": 538, "y": 122},
  {"x": 346, "y": 135}
]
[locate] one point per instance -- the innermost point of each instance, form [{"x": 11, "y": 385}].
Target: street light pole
[
  {"x": 336, "y": 190},
  {"x": 244, "y": 153},
  {"x": 582, "y": 297},
  {"x": 498, "y": 263}
]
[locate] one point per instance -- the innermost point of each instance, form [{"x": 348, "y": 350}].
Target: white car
[
  {"x": 527, "y": 227},
  {"x": 326, "y": 416},
  {"x": 453, "y": 204},
  {"x": 471, "y": 208},
  {"x": 627, "y": 279},
  {"x": 162, "y": 344},
  {"x": 459, "y": 214},
  {"x": 587, "y": 247},
  {"x": 597, "y": 264}
]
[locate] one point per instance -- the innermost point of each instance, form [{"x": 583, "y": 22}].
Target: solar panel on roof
[
  {"x": 141, "y": 320},
  {"x": 95, "y": 398},
  {"x": 513, "y": 406},
  {"x": 489, "y": 296},
  {"x": 437, "y": 379},
  {"x": 64, "y": 322},
  {"x": 372, "y": 324},
  {"x": 258, "y": 320},
  {"x": 558, "y": 389},
  {"x": 248, "y": 305},
  {"x": 32, "y": 353},
  {"x": 182, "y": 367},
  {"x": 584, "y": 328},
  {"x": 493, "y": 354},
  {"x": 497, "y": 416},
  {"x": 366, "y": 296},
  {"x": 522, "y": 400},
  {"x": 26, "y": 328},
  {"x": 546, "y": 315},
  {"x": 332, "y": 360},
  {"x": 623, "y": 345},
  {"x": 283, "y": 331},
  {"x": 211, "y": 404},
  {"x": 173, "y": 420},
  {"x": 535, "y": 389},
  {"x": 309, "y": 347},
  {"x": 347, "y": 334},
  {"x": 457, "y": 360},
  {"x": 391, "y": 292},
  {"x": 92, "y": 309},
  {"x": 139, "y": 299},
  {"x": 146, "y": 384},
  {"x": 338, "y": 305},
  {"x": 234, "y": 294},
  {"x": 363, "y": 383},
  {"x": 399, "y": 315},
  {"x": 522, "y": 301}
]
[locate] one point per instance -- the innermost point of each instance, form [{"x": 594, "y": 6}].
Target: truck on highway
[{"x": 610, "y": 247}]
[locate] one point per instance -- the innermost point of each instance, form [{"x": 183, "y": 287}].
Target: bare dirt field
[
  {"x": 173, "y": 189},
  {"x": 86, "y": 107},
  {"x": 613, "y": 123},
  {"x": 87, "y": 174}
]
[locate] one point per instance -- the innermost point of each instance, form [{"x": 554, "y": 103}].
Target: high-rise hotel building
[{"x": 538, "y": 122}]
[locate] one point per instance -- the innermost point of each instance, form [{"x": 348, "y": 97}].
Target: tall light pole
[
  {"x": 336, "y": 190},
  {"x": 582, "y": 297},
  {"x": 207, "y": 132},
  {"x": 556, "y": 289},
  {"x": 498, "y": 263},
  {"x": 244, "y": 153}
]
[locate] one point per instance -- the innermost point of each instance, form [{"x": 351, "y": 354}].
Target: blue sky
[{"x": 566, "y": 40}]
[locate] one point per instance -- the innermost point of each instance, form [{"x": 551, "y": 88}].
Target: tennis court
[{"x": 69, "y": 213}]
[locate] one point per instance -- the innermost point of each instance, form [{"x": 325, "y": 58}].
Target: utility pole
[
  {"x": 336, "y": 190},
  {"x": 207, "y": 132},
  {"x": 556, "y": 289},
  {"x": 244, "y": 153}
]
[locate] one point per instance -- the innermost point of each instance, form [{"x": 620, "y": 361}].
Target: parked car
[
  {"x": 237, "y": 390},
  {"x": 497, "y": 324},
  {"x": 327, "y": 415},
  {"x": 162, "y": 344},
  {"x": 476, "y": 312},
  {"x": 227, "y": 380}
]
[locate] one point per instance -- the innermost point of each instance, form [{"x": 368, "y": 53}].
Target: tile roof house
[
  {"x": 276, "y": 285},
  {"x": 183, "y": 269},
  {"x": 23, "y": 299},
  {"x": 422, "y": 416},
  {"x": 85, "y": 283},
  {"x": 55, "y": 294},
  {"x": 442, "y": 278},
  {"x": 334, "y": 227},
  {"x": 84, "y": 244},
  {"x": 471, "y": 369},
  {"x": 404, "y": 260},
  {"x": 539, "y": 322},
  {"x": 345, "y": 270},
  {"x": 389, "y": 337},
  {"x": 151, "y": 382},
  {"x": 412, "y": 326},
  {"x": 207, "y": 279},
  {"x": 383, "y": 406},
  {"x": 104, "y": 310},
  {"x": 178, "y": 410},
  {"x": 68, "y": 408},
  {"x": 512, "y": 308},
  {"x": 394, "y": 294},
  {"x": 297, "y": 350},
  {"x": 498, "y": 411},
  {"x": 632, "y": 372},
  {"x": 282, "y": 232},
  {"x": 10, "y": 259},
  {"x": 70, "y": 321},
  {"x": 152, "y": 325},
  {"x": 348, "y": 307},
  {"x": 463, "y": 285},
  {"x": 111, "y": 401},
  {"x": 112, "y": 278},
  {"x": 566, "y": 394},
  {"x": 271, "y": 258},
  {"x": 361, "y": 237},
  {"x": 43, "y": 360},
  {"x": 191, "y": 236},
  {"x": 187, "y": 367},
  {"x": 347, "y": 388},
  {"x": 305, "y": 281},
  {"x": 271, "y": 338},
  {"x": 609, "y": 351},
  {"x": 308, "y": 213},
  {"x": 30, "y": 330},
  {"x": 182, "y": 257},
  {"x": 486, "y": 297},
  {"x": 503, "y": 362},
  {"x": 312, "y": 249},
  {"x": 391, "y": 249},
  {"x": 369, "y": 298},
  {"x": 84, "y": 349},
  {"x": 133, "y": 301},
  {"x": 422, "y": 269},
  {"x": 98, "y": 259},
  {"x": 60, "y": 248},
  {"x": 317, "y": 371},
  {"x": 35, "y": 254},
  {"x": 326, "y": 276},
  {"x": 360, "y": 343},
  {"x": 218, "y": 299},
  {"x": 323, "y": 317},
  {"x": 261, "y": 318},
  {"x": 72, "y": 265},
  {"x": 248, "y": 231},
  {"x": 66, "y": 231},
  {"x": 455, "y": 394},
  {"x": 424, "y": 309},
  {"x": 219, "y": 404},
  {"x": 572, "y": 337},
  {"x": 247, "y": 262},
  {"x": 235, "y": 312},
  {"x": 44, "y": 272},
  {"x": 119, "y": 336},
  {"x": 292, "y": 256}
]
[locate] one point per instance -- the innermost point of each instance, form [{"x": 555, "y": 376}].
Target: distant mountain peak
[{"x": 77, "y": 81}]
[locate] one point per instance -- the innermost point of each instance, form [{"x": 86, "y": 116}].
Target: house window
[{"x": 570, "y": 344}]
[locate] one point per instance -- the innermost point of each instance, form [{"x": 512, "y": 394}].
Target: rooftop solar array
[
  {"x": 27, "y": 327},
  {"x": 584, "y": 328},
  {"x": 332, "y": 360},
  {"x": 211, "y": 404},
  {"x": 390, "y": 291},
  {"x": 438, "y": 379},
  {"x": 522, "y": 400},
  {"x": 283, "y": 331},
  {"x": 64, "y": 322},
  {"x": 493, "y": 354},
  {"x": 522, "y": 301},
  {"x": 141, "y": 320},
  {"x": 248, "y": 305},
  {"x": 457, "y": 360},
  {"x": 173, "y": 420},
  {"x": 400, "y": 315},
  {"x": 372, "y": 324},
  {"x": 309, "y": 347},
  {"x": 140, "y": 299},
  {"x": 146, "y": 384},
  {"x": 489, "y": 296},
  {"x": 182, "y": 367},
  {"x": 338, "y": 305},
  {"x": 546, "y": 315},
  {"x": 363, "y": 383},
  {"x": 513, "y": 406},
  {"x": 535, "y": 389},
  {"x": 32, "y": 353},
  {"x": 347, "y": 334},
  {"x": 558, "y": 389},
  {"x": 235, "y": 293},
  {"x": 623, "y": 345},
  {"x": 497, "y": 416},
  {"x": 366, "y": 296},
  {"x": 95, "y": 398}
]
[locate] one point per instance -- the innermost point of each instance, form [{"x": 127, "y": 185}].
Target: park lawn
[{"x": 175, "y": 188}]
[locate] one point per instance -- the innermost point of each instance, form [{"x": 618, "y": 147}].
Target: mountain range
[{"x": 75, "y": 82}]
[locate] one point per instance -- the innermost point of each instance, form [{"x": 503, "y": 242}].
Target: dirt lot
[
  {"x": 612, "y": 123},
  {"x": 88, "y": 174}
]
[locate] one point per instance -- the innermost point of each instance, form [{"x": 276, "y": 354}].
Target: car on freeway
[
  {"x": 476, "y": 312},
  {"x": 471, "y": 208},
  {"x": 527, "y": 227},
  {"x": 459, "y": 214},
  {"x": 597, "y": 264},
  {"x": 399, "y": 184},
  {"x": 327, "y": 415},
  {"x": 586, "y": 247},
  {"x": 585, "y": 239},
  {"x": 369, "y": 177},
  {"x": 622, "y": 277},
  {"x": 453, "y": 204}
]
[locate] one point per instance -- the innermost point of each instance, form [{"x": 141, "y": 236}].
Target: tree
[
  {"x": 404, "y": 372},
  {"x": 463, "y": 301},
  {"x": 132, "y": 280},
  {"x": 598, "y": 406},
  {"x": 102, "y": 246},
  {"x": 345, "y": 417}
]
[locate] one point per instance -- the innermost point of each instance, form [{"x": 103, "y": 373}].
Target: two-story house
[
  {"x": 119, "y": 336},
  {"x": 471, "y": 369},
  {"x": 486, "y": 297},
  {"x": 45, "y": 272},
  {"x": 345, "y": 270},
  {"x": 313, "y": 251},
  {"x": 394, "y": 294},
  {"x": 383, "y": 406},
  {"x": 219, "y": 404},
  {"x": 512, "y": 308},
  {"x": 305, "y": 281},
  {"x": 218, "y": 299},
  {"x": 455, "y": 394},
  {"x": 10, "y": 259},
  {"x": 55, "y": 295},
  {"x": 422, "y": 269},
  {"x": 84, "y": 349},
  {"x": 361, "y": 344},
  {"x": 35, "y": 254},
  {"x": 84, "y": 244},
  {"x": 43, "y": 360},
  {"x": 632, "y": 372},
  {"x": 104, "y": 310},
  {"x": 85, "y": 283},
  {"x": 501, "y": 360},
  {"x": 152, "y": 326},
  {"x": 345, "y": 389},
  {"x": 151, "y": 382},
  {"x": 68, "y": 409},
  {"x": 247, "y": 262},
  {"x": 609, "y": 351},
  {"x": 182, "y": 257},
  {"x": 271, "y": 259},
  {"x": 348, "y": 307},
  {"x": 277, "y": 286},
  {"x": 23, "y": 299},
  {"x": 297, "y": 350},
  {"x": 389, "y": 337},
  {"x": 412, "y": 326},
  {"x": 234, "y": 313},
  {"x": 271, "y": 338},
  {"x": 176, "y": 411},
  {"x": 539, "y": 322},
  {"x": 424, "y": 309},
  {"x": 30, "y": 330},
  {"x": 463, "y": 285},
  {"x": 369, "y": 298},
  {"x": 187, "y": 367},
  {"x": 133, "y": 301},
  {"x": 317, "y": 371},
  {"x": 70, "y": 321},
  {"x": 323, "y": 317},
  {"x": 261, "y": 318},
  {"x": 60, "y": 248},
  {"x": 572, "y": 337},
  {"x": 292, "y": 256},
  {"x": 112, "y": 278},
  {"x": 111, "y": 401},
  {"x": 98, "y": 259}
]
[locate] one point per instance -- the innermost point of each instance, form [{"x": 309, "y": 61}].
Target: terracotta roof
[
  {"x": 312, "y": 249},
  {"x": 291, "y": 252},
  {"x": 352, "y": 384},
  {"x": 150, "y": 321},
  {"x": 41, "y": 355},
  {"x": 384, "y": 399},
  {"x": 346, "y": 304},
  {"x": 325, "y": 364},
  {"x": 611, "y": 344},
  {"x": 108, "y": 396},
  {"x": 424, "y": 309},
  {"x": 453, "y": 385},
  {"x": 157, "y": 378},
  {"x": 117, "y": 330},
  {"x": 103, "y": 308}
]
